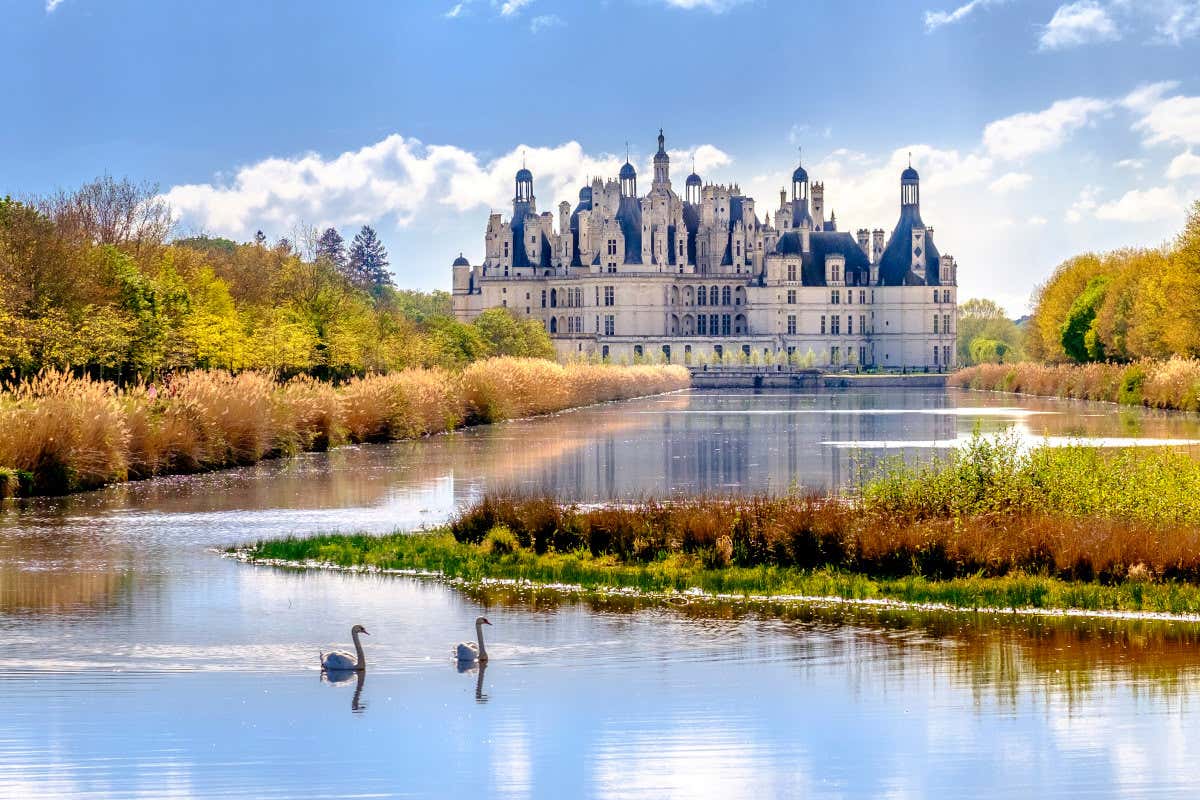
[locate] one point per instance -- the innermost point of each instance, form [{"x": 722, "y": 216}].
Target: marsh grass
[
  {"x": 74, "y": 433},
  {"x": 442, "y": 554},
  {"x": 989, "y": 526},
  {"x": 1173, "y": 383}
]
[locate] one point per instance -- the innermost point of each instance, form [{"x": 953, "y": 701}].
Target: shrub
[{"x": 500, "y": 541}]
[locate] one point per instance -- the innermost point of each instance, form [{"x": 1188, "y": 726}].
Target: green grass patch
[{"x": 441, "y": 553}]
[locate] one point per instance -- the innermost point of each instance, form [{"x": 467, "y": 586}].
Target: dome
[
  {"x": 800, "y": 175},
  {"x": 585, "y": 193},
  {"x": 693, "y": 180},
  {"x": 461, "y": 262},
  {"x": 628, "y": 171},
  {"x": 909, "y": 174},
  {"x": 524, "y": 175}
]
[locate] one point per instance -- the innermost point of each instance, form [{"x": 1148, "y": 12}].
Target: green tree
[
  {"x": 368, "y": 262},
  {"x": 1080, "y": 338}
]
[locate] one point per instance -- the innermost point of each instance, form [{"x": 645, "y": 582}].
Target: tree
[
  {"x": 115, "y": 212},
  {"x": 1080, "y": 340},
  {"x": 368, "y": 263},
  {"x": 332, "y": 247},
  {"x": 983, "y": 321}
]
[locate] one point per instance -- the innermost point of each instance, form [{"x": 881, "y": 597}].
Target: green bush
[
  {"x": 500, "y": 541},
  {"x": 1130, "y": 391}
]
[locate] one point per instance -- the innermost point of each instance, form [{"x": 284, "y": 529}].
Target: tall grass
[
  {"x": 1172, "y": 384},
  {"x": 68, "y": 433}
]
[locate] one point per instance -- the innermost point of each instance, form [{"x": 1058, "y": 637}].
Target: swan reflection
[
  {"x": 339, "y": 677},
  {"x": 479, "y": 668}
]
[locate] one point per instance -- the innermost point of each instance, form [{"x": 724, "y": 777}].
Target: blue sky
[{"x": 1040, "y": 128}]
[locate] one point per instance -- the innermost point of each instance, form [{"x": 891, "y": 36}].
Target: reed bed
[
  {"x": 1170, "y": 384},
  {"x": 60, "y": 433}
]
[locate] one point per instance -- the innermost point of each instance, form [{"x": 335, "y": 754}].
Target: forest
[{"x": 92, "y": 281}]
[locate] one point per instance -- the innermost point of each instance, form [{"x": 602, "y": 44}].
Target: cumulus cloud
[
  {"x": 1010, "y": 182},
  {"x": 1184, "y": 165},
  {"x": 398, "y": 179},
  {"x": 1144, "y": 205},
  {"x": 1028, "y": 133},
  {"x": 1084, "y": 204},
  {"x": 1165, "y": 120},
  {"x": 936, "y": 19},
  {"x": 1074, "y": 24},
  {"x": 511, "y": 8}
]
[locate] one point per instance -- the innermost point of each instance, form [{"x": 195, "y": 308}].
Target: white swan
[
  {"x": 470, "y": 651},
  {"x": 344, "y": 662}
]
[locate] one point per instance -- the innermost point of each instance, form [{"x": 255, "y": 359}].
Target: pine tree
[
  {"x": 368, "y": 260},
  {"x": 332, "y": 247}
]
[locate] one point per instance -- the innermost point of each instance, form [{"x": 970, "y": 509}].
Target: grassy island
[{"x": 991, "y": 526}]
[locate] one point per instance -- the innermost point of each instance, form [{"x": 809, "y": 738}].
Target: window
[
  {"x": 862, "y": 324},
  {"x": 791, "y": 272},
  {"x": 610, "y": 296},
  {"x": 849, "y": 324},
  {"x": 935, "y": 355},
  {"x": 726, "y": 297},
  {"x": 713, "y": 294},
  {"x": 506, "y": 249},
  {"x": 791, "y": 324},
  {"x": 862, "y": 297},
  {"x": 746, "y": 350},
  {"x": 610, "y": 324},
  {"x": 946, "y": 355},
  {"x": 725, "y": 324},
  {"x": 945, "y": 295},
  {"x": 702, "y": 296},
  {"x": 579, "y": 297},
  {"x": 791, "y": 297},
  {"x": 666, "y": 351},
  {"x": 504, "y": 303},
  {"x": 637, "y": 351},
  {"x": 835, "y": 355},
  {"x": 714, "y": 324},
  {"x": 849, "y": 298},
  {"x": 702, "y": 325},
  {"x": 612, "y": 247},
  {"x": 835, "y": 325},
  {"x": 835, "y": 297},
  {"x": 822, "y": 324},
  {"x": 543, "y": 298},
  {"x": 597, "y": 329},
  {"x": 945, "y": 323},
  {"x": 862, "y": 355},
  {"x": 835, "y": 273},
  {"x": 935, "y": 295},
  {"x": 597, "y": 295},
  {"x": 604, "y": 352}
]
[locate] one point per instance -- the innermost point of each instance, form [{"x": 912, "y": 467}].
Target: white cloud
[
  {"x": 396, "y": 179},
  {"x": 1166, "y": 120},
  {"x": 544, "y": 21},
  {"x": 1078, "y": 23},
  {"x": 1010, "y": 182},
  {"x": 715, "y": 6},
  {"x": 1176, "y": 20},
  {"x": 1148, "y": 95},
  {"x": 1029, "y": 133},
  {"x": 1144, "y": 205},
  {"x": 511, "y": 8},
  {"x": 1130, "y": 163},
  {"x": 455, "y": 11},
  {"x": 52, "y": 4},
  {"x": 936, "y": 19},
  {"x": 1184, "y": 165},
  {"x": 1084, "y": 205},
  {"x": 1039, "y": 221}
]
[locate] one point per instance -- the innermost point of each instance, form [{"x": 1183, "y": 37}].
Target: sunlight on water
[{"x": 139, "y": 663}]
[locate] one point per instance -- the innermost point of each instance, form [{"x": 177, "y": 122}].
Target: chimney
[
  {"x": 876, "y": 245},
  {"x": 818, "y": 205},
  {"x": 864, "y": 241}
]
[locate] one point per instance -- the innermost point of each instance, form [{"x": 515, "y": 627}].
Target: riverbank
[
  {"x": 1168, "y": 384},
  {"x": 988, "y": 527},
  {"x": 63, "y": 434}
]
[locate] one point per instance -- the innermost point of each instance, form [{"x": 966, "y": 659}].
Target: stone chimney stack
[
  {"x": 818, "y": 205},
  {"x": 864, "y": 241},
  {"x": 876, "y": 245}
]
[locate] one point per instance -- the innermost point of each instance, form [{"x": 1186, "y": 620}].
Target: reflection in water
[
  {"x": 344, "y": 676},
  {"x": 116, "y": 616}
]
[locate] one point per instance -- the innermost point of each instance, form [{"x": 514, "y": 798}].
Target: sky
[{"x": 1040, "y": 129}]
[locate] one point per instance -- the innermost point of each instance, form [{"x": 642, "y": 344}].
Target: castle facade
[{"x": 662, "y": 277}]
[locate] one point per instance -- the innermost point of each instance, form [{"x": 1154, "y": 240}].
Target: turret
[
  {"x": 523, "y": 199},
  {"x": 910, "y": 188},
  {"x": 818, "y": 205},
  {"x": 628, "y": 176},
  {"x": 864, "y": 241},
  {"x": 564, "y": 217},
  {"x": 662, "y": 164}
]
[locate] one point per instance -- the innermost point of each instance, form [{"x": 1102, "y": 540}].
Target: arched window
[
  {"x": 554, "y": 298},
  {"x": 604, "y": 352},
  {"x": 554, "y": 324}
]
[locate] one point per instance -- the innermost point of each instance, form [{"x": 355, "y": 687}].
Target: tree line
[
  {"x": 1122, "y": 305},
  {"x": 92, "y": 281}
]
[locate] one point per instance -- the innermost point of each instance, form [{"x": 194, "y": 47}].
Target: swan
[
  {"x": 344, "y": 662},
  {"x": 469, "y": 651}
]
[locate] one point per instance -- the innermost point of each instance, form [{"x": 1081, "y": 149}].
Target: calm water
[{"x": 136, "y": 662}]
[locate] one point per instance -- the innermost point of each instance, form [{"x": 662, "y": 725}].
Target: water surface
[{"x": 136, "y": 662}]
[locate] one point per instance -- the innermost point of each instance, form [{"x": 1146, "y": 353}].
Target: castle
[{"x": 667, "y": 278}]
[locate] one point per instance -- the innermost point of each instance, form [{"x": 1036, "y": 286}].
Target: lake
[{"x": 137, "y": 662}]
